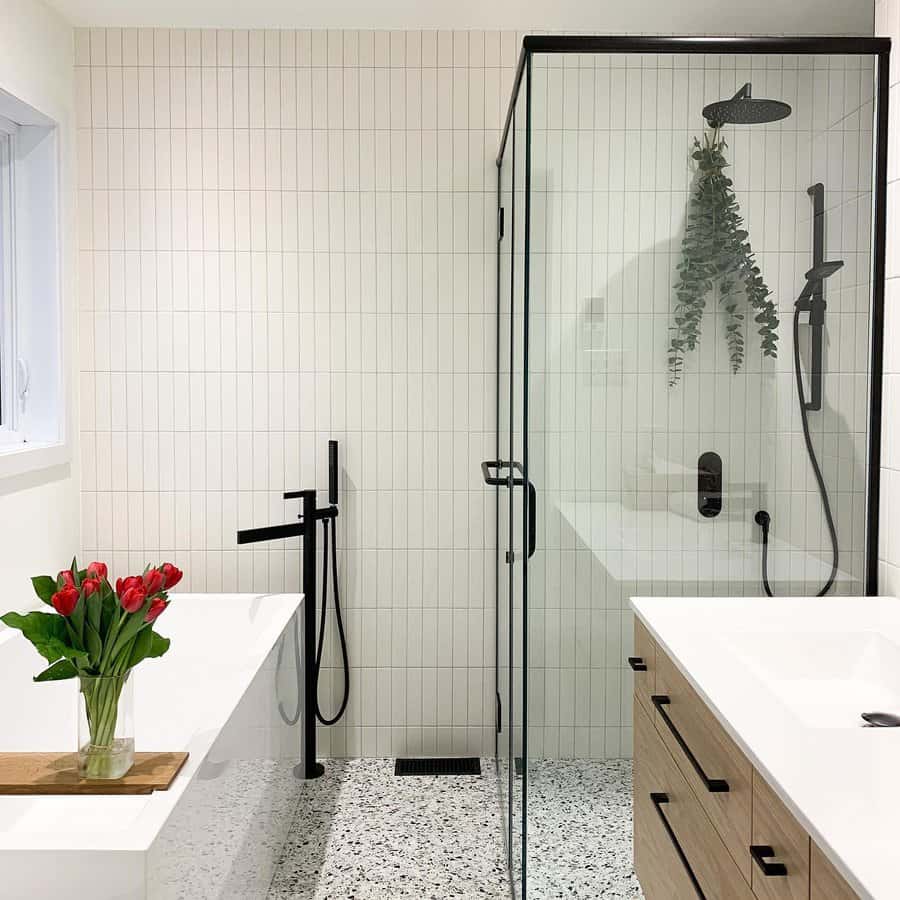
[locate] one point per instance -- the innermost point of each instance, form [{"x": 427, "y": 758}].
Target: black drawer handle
[
  {"x": 658, "y": 800},
  {"x": 637, "y": 664},
  {"x": 769, "y": 869},
  {"x": 713, "y": 785}
]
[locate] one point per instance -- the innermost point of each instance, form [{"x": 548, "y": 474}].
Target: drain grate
[{"x": 467, "y": 765}]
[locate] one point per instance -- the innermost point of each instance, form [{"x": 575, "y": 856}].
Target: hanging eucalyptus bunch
[{"x": 717, "y": 257}]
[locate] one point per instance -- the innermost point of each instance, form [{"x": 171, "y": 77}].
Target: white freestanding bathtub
[{"x": 218, "y": 830}]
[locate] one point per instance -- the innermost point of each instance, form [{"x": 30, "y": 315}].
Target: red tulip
[
  {"x": 133, "y": 598},
  {"x": 124, "y": 584},
  {"x": 97, "y": 570},
  {"x": 90, "y": 586},
  {"x": 172, "y": 574},
  {"x": 68, "y": 579},
  {"x": 153, "y": 581},
  {"x": 65, "y": 600},
  {"x": 157, "y": 606}
]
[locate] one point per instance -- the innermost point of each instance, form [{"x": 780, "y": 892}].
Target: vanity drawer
[
  {"x": 644, "y": 655},
  {"x": 779, "y": 850},
  {"x": 710, "y": 761},
  {"x": 825, "y": 882},
  {"x": 669, "y": 822}
]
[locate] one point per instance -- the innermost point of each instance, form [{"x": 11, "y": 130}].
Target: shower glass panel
[
  {"x": 669, "y": 276},
  {"x": 504, "y": 633},
  {"x": 517, "y": 548},
  {"x": 506, "y": 471}
]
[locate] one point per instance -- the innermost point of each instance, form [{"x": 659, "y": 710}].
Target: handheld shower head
[
  {"x": 816, "y": 275},
  {"x": 824, "y": 270},
  {"x": 742, "y": 109}
]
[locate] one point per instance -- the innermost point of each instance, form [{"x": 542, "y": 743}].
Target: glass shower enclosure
[{"x": 690, "y": 279}]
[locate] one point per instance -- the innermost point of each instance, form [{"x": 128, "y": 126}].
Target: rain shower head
[{"x": 742, "y": 109}]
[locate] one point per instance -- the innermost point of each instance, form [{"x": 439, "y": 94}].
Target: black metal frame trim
[
  {"x": 876, "y": 358},
  {"x": 529, "y": 522},
  {"x": 580, "y": 43}
]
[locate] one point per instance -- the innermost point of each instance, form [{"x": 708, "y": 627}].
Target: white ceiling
[{"x": 602, "y": 16}]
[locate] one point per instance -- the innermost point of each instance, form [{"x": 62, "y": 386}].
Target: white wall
[
  {"x": 39, "y": 518},
  {"x": 609, "y": 17}
]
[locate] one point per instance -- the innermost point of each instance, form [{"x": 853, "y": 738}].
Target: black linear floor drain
[{"x": 470, "y": 765}]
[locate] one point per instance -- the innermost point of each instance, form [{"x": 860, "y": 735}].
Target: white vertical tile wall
[
  {"x": 613, "y": 449},
  {"x": 887, "y": 23},
  {"x": 286, "y": 237}
]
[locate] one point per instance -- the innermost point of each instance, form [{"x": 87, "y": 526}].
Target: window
[
  {"x": 8, "y": 418},
  {"x": 32, "y": 389}
]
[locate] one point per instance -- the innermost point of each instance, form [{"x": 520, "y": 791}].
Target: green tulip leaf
[
  {"x": 93, "y": 642},
  {"x": 59, "y": 671},
  {"x": 147, "y": 645},
  {"x": 48, "y": 632},
  {"x": 159, "y": 646},
  {"x": 44, "y": 587}
]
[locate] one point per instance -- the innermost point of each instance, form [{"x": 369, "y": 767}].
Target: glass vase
[{"x": 105, "y": 726}]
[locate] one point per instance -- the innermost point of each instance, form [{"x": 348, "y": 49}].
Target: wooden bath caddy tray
[{"x": 57, "y": 773}]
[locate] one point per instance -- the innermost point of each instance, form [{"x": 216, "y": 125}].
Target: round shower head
[
  {"x": 824, "y": 270},
  {"x": 742, "y": 109},
  {"x": 745, "y": 112}
]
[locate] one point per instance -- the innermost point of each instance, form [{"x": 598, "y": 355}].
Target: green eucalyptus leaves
[{"x": 716, "y": 256}]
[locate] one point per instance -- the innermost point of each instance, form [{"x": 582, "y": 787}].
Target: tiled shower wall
[
  {"x": 288, "y": 237},
  {"x": 614, "y": 449}
]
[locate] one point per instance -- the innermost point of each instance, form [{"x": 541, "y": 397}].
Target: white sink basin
[{"x": 826, "y": 679}]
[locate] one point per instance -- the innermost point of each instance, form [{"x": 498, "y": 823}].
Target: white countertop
[{"x": 787, "y": 678}]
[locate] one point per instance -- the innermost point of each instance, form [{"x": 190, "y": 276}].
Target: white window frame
[
  {"x": 34, "y": 434},
  {"x": 10, "y": 435}
]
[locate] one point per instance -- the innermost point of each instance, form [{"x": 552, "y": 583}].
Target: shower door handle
[
  {"x": 498, "y": 481},
  {"x": 490, "y": 479},
  {"x": 532, "y": 519}
]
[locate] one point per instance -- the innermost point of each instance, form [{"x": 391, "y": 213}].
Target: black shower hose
[
  {"x": 340, "y": 625},
  {"x": 292, "y": 720},
  {"x": 762, "y": 517}
]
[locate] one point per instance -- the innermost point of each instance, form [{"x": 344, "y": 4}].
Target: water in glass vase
[{"x": 105, "y": 725}]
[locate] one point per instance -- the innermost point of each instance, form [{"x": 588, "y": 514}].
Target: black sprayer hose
[
  {"x": 340, "y": 625},
  {"x": 823, "y": 491},
  {"x": 814, "y": 462},
  {"x": 763, "y": 519}
]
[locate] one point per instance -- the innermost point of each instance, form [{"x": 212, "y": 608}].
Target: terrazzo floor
[
  {"x": 579, "y": 830},
  {"x": 361, "y": 833}
]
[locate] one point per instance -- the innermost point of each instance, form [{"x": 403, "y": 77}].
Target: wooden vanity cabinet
[
  {"x": 825, "y": 882},
  {"x": 706, "y": 823}
]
